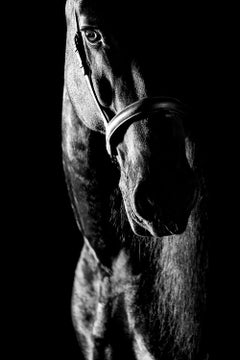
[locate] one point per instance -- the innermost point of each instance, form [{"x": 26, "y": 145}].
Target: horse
[{"x": 135, "y": 166}]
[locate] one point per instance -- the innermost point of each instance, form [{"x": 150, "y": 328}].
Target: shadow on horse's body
[{"x": 140, "y": 289}]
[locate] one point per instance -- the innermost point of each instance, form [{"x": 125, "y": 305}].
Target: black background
[{"x": 41, "y": 231}]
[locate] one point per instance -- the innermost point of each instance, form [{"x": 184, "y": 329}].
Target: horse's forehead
[
  {"x": 134, "y": 6},
  {"x": 119, "y": 9},
  {"x": 138, "y": 14},
  {"x": 105, "y": 8}
]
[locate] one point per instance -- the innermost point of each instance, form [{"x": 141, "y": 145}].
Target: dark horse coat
[{"x": 140, "y": 290}]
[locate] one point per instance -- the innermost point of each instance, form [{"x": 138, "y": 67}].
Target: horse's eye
[{"x": 92, "y": 36}]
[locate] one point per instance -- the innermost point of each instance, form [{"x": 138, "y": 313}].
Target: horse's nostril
[
  {"x": 169, "y": 200},
  {"x": 144, "y": 202}
]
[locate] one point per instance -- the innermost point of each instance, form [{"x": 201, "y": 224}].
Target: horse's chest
[{"x": 103, "y": 312}]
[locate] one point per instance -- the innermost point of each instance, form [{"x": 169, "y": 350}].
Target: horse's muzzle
[{"x": 165, "y": 207}]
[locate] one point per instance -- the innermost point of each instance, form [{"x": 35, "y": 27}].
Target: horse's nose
[
  {"x": 144, "y": 201},
  {"x": 170, "y": 201}
]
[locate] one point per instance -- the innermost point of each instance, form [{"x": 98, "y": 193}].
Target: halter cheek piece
[{"x": 133, "y": 112}]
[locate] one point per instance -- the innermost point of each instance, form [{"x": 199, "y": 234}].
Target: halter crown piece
[{"x": 133, "y": 112}]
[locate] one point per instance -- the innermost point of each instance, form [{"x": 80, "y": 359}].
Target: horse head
[{"x": 122, "y": 50}]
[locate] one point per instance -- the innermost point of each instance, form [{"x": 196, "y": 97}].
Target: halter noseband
[{"x": 133, "y": 112}]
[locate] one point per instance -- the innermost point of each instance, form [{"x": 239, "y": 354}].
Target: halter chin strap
[{"x": 134, "y": 112}]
